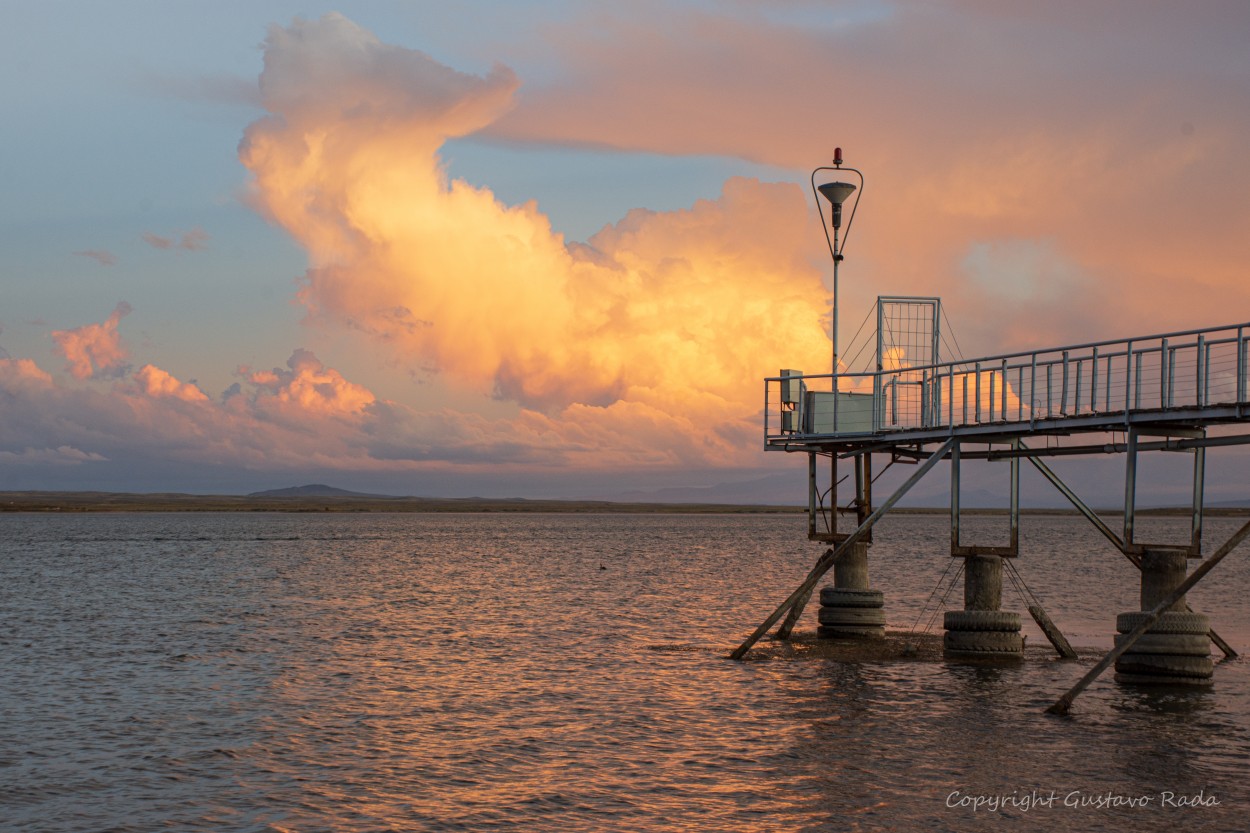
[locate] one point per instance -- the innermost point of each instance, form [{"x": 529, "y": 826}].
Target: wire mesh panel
[{"x": 907, "y": 342}]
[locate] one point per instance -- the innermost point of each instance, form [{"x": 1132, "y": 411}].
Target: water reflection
[{"x": 473, "y": 673}]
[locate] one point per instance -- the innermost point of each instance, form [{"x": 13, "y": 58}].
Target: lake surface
[{"x": 258, "y": 672}]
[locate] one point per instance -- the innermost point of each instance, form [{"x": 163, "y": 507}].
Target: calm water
[{"x": 439, "y": 672}]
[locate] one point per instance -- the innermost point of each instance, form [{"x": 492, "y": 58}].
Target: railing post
[
  {"x": 1093, "y": 384},
  {"x": 1128, "y": 379},
  {"x": 1076, "y": 401},
  {"x": 766, "y": 412},
  {"x": 1033, "y": 391},
  {"x": 965, "y": 380},
  {"x": 1137, "y": 381},
  {"x": 1050, "y": 387},
  {"x": 1003, "y": 409},
  {"x": 1166, "y": 360},
  {"x": 1107, "y": 393},
  {"x": 1063, "y": 393},
  {"x": 1241, "y": 365},
  {"x": 950, "y": 393},
  {"x": 1020, "y": 397},
  {"x": 992, "y": 397},
  {"x": 1200, "y": 385},
  {"x": 977, "y": 387}
]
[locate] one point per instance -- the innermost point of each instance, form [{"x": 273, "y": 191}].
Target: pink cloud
[
  {"x": 100, "y": 256},
  {"x": 312, "y": 387},
  {"x": 191, "y": 241},
  {"x": 972, "y": 137},
  {"x": 95, "y": 350},
  {"x": 158, "y": 383},
  {"x": 678, "y": 309}
]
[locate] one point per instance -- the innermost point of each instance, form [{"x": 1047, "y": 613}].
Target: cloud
[
  {"x": 61, "y": 456},
  {"x": 646, "y": 342},
  {"x": 100, "y": 256},
  {"x": 158, "y": 383},
  {"x": 191, "y": 241},
  {"x": 95, "y": 351},
  {"x": 1119, "y": 150},
  {"x": 312, "y": 386}
]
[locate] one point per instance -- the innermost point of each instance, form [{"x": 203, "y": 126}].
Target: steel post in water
[
  {"x": 1064, "y": 703},
  {"x": 826, "y": 561}
]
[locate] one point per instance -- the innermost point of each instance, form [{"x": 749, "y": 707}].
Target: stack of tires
[
  {"x": 984, "y": 634},
  {"x": 1175, "y": 651},
  {"x": 851, "y": 614}
]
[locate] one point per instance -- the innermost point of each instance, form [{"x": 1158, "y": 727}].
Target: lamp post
[{"x": 836, "y": 193}]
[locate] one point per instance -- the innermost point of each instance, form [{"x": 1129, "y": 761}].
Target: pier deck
[{"x": 1175, "y": 384}]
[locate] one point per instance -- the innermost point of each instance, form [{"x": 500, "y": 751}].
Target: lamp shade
[{"x": 836, "y": 192}]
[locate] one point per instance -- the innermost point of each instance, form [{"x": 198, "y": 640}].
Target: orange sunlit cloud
[
  {"x": 1039, "y": 166},
  {"x": 158, "y": 383},
  {"x": 1049, "y": 195},
  {"x": 665, "y": 320},
  {"x": 95, "y": 350}
]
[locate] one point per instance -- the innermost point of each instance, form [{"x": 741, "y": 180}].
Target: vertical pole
[
  {"x": 1241, "y": 365},
  {"x": 977, "y": 386},
  {"x": 812, "y": 491},
  {"x": 1033, "y": 392},
  {"x": 865, "y": 506},
  {"x": 924, "y": 399},
  {"x": 1166, "y": 358},
  {"x": 1050, "y": 385},
  {"x": 1128, "y": 379},
  {"x": 1015, "y": 496},
  {"x": 950, "y": 393},
  {"x": 1020, "y": 396},
  {"x": 1003, "y": 409},
  {"x": 1203, "y": 358},
  {"x": 1093, "y": 384},
  {"x": 878, "y": 388},
  {"x": 1076, "y": 404},
  {"x": 1063, "y": 398},
  {"x": 1137, "y": 381},
  {"x": 992, "y": 396},
  {"x": 965, "y": 381},
  {"x": 827, "y": 560},
  {"x": 954, "y": 496},
  {"x": 1130, "y": 487},
  {"x": 1107, "y": 393},
  {"x": 833, "y": 492},
  {"x": 833, "y": 337},
  {"x": 1124, "y": 643},
  {"x": 1195, "y": 539}
]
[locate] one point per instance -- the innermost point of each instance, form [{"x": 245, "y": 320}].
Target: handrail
[{"x": 1193, "y": 368}]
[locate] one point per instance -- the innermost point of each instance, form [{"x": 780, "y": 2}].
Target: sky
[{"x": 552, "y": 249}]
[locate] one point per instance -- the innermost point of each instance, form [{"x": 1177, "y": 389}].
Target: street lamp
[{"x": 836, "y": 193}]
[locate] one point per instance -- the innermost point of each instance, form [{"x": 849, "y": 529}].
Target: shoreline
[{"x": 51, "y": 501}]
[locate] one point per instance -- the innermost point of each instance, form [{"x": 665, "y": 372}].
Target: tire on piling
[
  {"x": 983, "y": 642},
  {"x": 981, "y": 620},
  {"x": 845, "y": 597}
]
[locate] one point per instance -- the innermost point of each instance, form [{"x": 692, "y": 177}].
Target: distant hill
[{"x": 313, "y": 490}]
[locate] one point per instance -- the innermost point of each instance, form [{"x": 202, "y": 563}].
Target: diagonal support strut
[
  {"x": 1110, "y": 535},
  {"x": 1064, "y": 703},
  {"x": 827, "y": 560}
]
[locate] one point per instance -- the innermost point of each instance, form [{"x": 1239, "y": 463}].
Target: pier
[{"x": 1183, "y": 392}]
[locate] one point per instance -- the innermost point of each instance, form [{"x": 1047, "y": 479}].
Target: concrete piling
[
  {"x": 850, "y": 609},
  {"x": 982, "y": 630},
  {"x": 1176, "y": 649}
]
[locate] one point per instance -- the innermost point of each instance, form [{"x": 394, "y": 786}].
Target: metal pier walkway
[
  {"x": 917, "y": 405},
  {"x": 1187, "y": 380}
]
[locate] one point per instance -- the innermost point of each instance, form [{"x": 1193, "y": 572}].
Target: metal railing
[{"x": 1190, "y": 370}]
